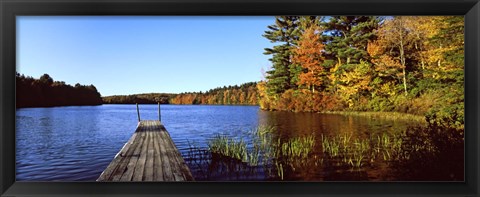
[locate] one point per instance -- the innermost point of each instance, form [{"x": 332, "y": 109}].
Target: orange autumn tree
[{"x": 308, "y": 55}]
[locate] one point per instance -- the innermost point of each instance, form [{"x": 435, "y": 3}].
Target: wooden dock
[{"x": 149, "y": 155}]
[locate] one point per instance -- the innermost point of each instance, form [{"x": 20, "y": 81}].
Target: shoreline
[{"x": 381, "y": 115}]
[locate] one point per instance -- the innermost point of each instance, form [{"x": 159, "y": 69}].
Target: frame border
[{"x": 9, "y": 9}]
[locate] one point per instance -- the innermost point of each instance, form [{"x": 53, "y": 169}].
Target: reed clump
[
  {"x": 298, "y": 147},
  {"x": 264, "y": 148},
  {"x": 236, "y": 149},
  {"x": 357, "y": 152},
  {"x": 394, "y": 116},
  {"x": 279, "y": 156}
]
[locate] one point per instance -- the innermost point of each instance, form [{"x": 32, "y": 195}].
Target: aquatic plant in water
[
  {"x": 229, "y": 147},
  {"x": 280, "y": 156},
  {"x": 298, "y": 147},
  {"x": 358, "y": 151},
  {"x": 264, "y": 149}
]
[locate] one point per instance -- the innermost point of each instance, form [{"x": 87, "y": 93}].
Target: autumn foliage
[
  {"x": 245, "y": 94},
  {"x": 148, "y": 98},
  {"x": 308, "y": 55},
  {"x": 359, "y": 63},
  {"x": 410, "y": 64}
]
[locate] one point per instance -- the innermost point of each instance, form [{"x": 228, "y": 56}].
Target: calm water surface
[{"x": 78, "y": 143}]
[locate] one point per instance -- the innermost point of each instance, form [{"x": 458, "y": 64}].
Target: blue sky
[{"x": 128, "y": 55}]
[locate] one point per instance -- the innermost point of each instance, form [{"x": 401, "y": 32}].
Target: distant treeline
[
  {"x": 151, "y": 98},
  {"x": 45, "y": 92},
  {"x": 245, "y": 94}
]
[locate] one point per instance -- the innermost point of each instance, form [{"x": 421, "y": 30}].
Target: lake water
[{"x": 78, "y": 143}]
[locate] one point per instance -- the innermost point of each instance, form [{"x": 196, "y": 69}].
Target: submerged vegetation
[
  {"x": 228, "y": 147},
  {"x": 281, "y": 157},
  {"x": 408, "y": 68},
  {"x": 261, "y": 150},
  {"x": 299, "y": 147},
  {"x": 394, "y": 116},
  {"x": 358, "y": 152},
  {"x": 262, "y": 145}
]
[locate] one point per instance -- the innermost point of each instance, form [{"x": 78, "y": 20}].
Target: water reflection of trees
[
  {"x": 207, "y": 166},
  {"x": 430, "y": 153},
  {"x": 434, "y": 153},
  {"x": 278, "y": 158},
  {"x": 418, "y": 153}
]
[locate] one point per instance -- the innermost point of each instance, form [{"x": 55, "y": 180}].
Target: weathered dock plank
[
  {"x": 157, "y": 164},
  {"x": 116, "y": 168},
  {"x": 149, "y": 155},
  {"x": 149, "y": 158}
]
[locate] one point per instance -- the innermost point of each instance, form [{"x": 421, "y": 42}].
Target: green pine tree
[
  {"x": 347, "y": 37},
  {"x": 285, "y": 32}
]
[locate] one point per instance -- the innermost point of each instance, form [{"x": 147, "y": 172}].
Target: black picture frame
[{"x": 9, "y": 9}]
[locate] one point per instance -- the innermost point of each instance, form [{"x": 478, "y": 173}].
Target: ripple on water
[{"x": 77, "y": 143}]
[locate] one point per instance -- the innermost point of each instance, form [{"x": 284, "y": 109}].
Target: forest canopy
[
  {"x": 245, "y": 94},
  {"x": 410, "y": 64},
  {"x": 148, "y": 98},
  {"x": 45, "y": 92}
]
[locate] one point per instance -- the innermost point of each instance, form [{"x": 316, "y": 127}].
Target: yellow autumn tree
[
  {"x": 395, "y": 45},
  {"x": 354, "y": 81},
  {"x": 265, "y": 100},
  {"x": 423, "y": 29}
]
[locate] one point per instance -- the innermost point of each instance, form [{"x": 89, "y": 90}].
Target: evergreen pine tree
[
  {"x": 285, "y": 32},
  {"x": 347, "y": 37}
]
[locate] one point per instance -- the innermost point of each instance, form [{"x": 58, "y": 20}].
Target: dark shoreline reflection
[
  {"x": 77, "y": 143},
  {"x": 394, "y": 151},
  {"x": 438, "y": 154}
]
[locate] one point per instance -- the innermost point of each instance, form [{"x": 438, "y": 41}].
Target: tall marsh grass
[
  {"x": 264, "y": 148},
  {"x": 298, "y": 147},
  {"x": 357, "y": 152},
  {"x": 262, "y": 151},
  {"x": 383, "y": 115},
  {"x": 235, "y": 149}
]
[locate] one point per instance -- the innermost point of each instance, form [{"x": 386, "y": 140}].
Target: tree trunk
[
  {"x": 313, "y": 86},
  {"x": 422, "y": 61},
  {"x": 405, "y": 81},
  {"x": 402, "y": 60}
]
